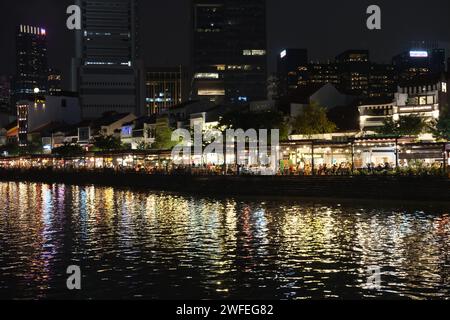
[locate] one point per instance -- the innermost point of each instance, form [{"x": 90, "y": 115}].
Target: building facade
[
  {"x": 54, "y": 82},
  {"x": 5, "y": 92},
  {"x": 419, "y": 62},
  {"x": 140, "y": 133},
  {"x": 425, "y": 99},
  {"x": 292, "y": 70},
  {"x": 383, "y": 81},
  {"x": 354, "y": 69},
  {"x": 31, "y": 62},
  {"x": 229, "y": 53},
  {"x": 352, "y": 73},
  {"x": 166, "y": 87},
  {"x": 44, "y": 110},
  {"x": 323, "y": 73},
  {"x": 106, "y": 70},
  {"x": 273, "y": 87}
]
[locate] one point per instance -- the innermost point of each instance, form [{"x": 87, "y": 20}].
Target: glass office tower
[{"x": 229, "y": 50}]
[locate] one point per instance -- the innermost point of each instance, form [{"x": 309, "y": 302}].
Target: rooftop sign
[{"x": 418, "y": 54}]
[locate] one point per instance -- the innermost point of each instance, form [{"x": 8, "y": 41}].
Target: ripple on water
[{"x": 140, "y": 245}]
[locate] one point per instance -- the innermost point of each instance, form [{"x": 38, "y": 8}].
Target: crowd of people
[
  {"x": 306, "y": 169},
  {"x": 347, "y": 169},
  {"x": 285, "y": 169}
]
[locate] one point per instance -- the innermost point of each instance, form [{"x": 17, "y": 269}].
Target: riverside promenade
[{"x": 417, "y": 188}]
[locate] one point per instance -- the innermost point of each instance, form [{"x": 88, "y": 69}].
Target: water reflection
[{"x": 154, "y": 245}]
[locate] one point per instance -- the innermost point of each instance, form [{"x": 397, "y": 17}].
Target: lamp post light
[
  {"x": 396, "y": 152},
  {"x": 353, "y": 157},
  {"x": 444, "y": 158},
  {"x": 312, "y": 159}
]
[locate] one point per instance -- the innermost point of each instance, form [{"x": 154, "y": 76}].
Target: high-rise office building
[
  {"x": 383, "y": 81},
  {"x": 5, "y": 91},
  {"x": 323, "y": 73},
  {"x": 351, "y": 73},
  {"x": 31, "y": 62},
  {"x": 354, "y": 68},
  {"x": 106, "y": 71},
  {"x": 292, "y": 70},
  {"x": 229, "y": 50},
  {"x": 273, "y": 87},
  {"x": 419, "y": 62},
  {"x": 166, "y": 87}
]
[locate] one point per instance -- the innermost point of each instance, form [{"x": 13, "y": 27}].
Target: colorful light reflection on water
[{"x": 139, "y": 244}]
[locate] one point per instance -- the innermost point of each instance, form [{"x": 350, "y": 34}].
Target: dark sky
[{"x": 325, "y": 27}]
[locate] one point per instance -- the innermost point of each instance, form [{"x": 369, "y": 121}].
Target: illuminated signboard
[
  {"x": 127, "y": 131},
  {"x": 283, "y": 54},
  {"x": 418, "y": 54}
]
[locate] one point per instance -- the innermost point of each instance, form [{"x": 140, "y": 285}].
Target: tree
[
  {"x": 389, "y": 128},
  {"x": 345, "y": 117},
  {"x": 33, "y": 147},
  {"x": 107, "y": 143},
  {"x": 410, "y": 125},
  {"x": 313, "y": 120},
  {"x": 68, "y": 150},
  {"x": 269, "y": 120},
  {"x": 11, "y": 149},
  {"x": 441, "y": 130},
  {"x": 163, "y": 135}
]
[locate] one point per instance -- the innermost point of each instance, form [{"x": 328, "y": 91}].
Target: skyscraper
[
  {"x": 229, "y": 50},
  {"x": 383, "y": 81},
  {"x": 166, "y": 87},
  {"x": 292, "y": 67},
  {"x": 106, "y": 71},
  {"x": 419, "y": 62},
  {"x": 323, "y": 73},
  {"x": 31, "y": 62},
  {"x": 354, "y": 69},
  {"x": 5, "y": 92}
]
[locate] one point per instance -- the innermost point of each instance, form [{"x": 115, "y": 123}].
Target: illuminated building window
[
  {"x": 422, "y": 100},
  {"x": 207, "y": 76},
  {"x": 211, "y": 92},
  {"x": 254, "y": 52}
]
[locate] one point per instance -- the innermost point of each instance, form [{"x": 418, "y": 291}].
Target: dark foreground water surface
[{"x": 139, "y": 244}]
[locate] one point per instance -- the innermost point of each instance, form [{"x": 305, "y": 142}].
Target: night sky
[{"x": 325, "y": 27}]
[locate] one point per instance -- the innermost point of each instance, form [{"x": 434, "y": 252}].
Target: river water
[{"x": 138, "y": 244}]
